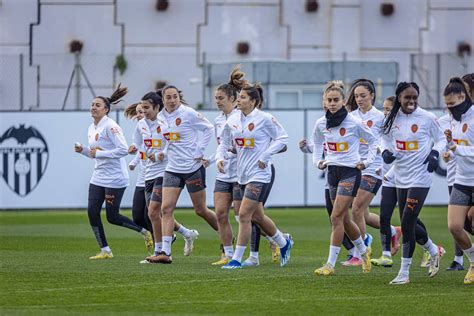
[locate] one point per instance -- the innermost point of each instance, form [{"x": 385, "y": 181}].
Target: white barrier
[{"x": 49, "y": 174}]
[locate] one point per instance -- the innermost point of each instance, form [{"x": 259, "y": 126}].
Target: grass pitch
[{"x": 44, "y": 269}]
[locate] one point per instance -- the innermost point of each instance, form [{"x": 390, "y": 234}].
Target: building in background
[{"x": 56, "y": 54}]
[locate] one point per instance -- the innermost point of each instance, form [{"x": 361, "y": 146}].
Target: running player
[
  {"x": 257, "y": 136},
  {"x": 188, "y": 133},
  {"x": 107, "y": 146},
  {"x": 341, "y": 134},
  {"x": 409, "y": 133},
  {"x": 460, "y": 137}
]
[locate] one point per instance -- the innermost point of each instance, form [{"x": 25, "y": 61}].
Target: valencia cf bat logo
[
  {"x": 342, "y": 131},
  {"x": 23, "y": 158},
  {"x": 370, "y": 123},
  {"x": 178, "y": 121},
  {"x": 464, "y": 128},
  {"x": 414, "y": 128},
  {"x": 251, "y": 126}
]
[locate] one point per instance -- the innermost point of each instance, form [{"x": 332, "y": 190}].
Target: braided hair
[{"x": 402, "y": 86}]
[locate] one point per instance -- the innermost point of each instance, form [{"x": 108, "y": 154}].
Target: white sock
[
  {"x": 356, "y": 253},
  {"x": 459, "y": 259},
  {"x": 352, "y": 251},
  {"x": 237, "y": 218},
  {"x": 405, "y": 266},
  {"x": 393, "y": 230},
  {"x": 106, "y": 249},
  {"x": 359, "y": 243},
  {"x": 167, "y": 244},
  {"x": 279, "y": 239},
  {"x": 470, "y": 253},
  {"x": 239, "y": 253},
  {"x": 143, "y": 231},
  {"x": 333, "y": 253},
  {"x": 183, "y": 231},
  {"x": 387, "y": 254},
  {"x": 229, "y": 251},
  {"x": 254, "y": 254},
  {"x": 158, "y": 246},
  {"x": 430, "y": 247}
]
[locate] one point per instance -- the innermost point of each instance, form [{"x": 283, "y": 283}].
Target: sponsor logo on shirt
[
  {"x": 245, "y": 142},
  {"x": 342, "y": 131},
  {"x": 414, "y": 128},
  {"x": 251, "y": 126},
  {"x": 152, "y": 143},
  {"x": 462, "y": 142},
  {"x": 172, "y": 137},
  {"x": 338, "y": 147},
  {"x": 407, "y": 146}
]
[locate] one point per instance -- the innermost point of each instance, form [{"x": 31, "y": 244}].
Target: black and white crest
[{"x": 23, "y": 158}]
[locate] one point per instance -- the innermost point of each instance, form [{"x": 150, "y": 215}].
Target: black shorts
[
  {"x": 370, "y": 184},
  {"x": 228, "y": 187},
  {"x": 195, "y": 181},
  {"x": 154, "y": 190},
  {"x": 343, "y": 181},
  {"x": 256, "y": 191},
  {"x": 462, "y": 195}
]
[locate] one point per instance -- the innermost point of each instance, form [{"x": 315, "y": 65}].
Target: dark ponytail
[
  {"x": 351, "y": 103},
  {"x": 402, "y": 86},
  {"x": 469, "y": 80},
  {"x": 457, "y": 86},
  {"x": 131, "y": 111},
  {"x": 115, "y": 98},
  {"x": 255, "y": 92},
  {"x": 154, "y": 98}
]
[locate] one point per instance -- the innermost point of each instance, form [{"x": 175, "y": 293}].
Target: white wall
[{"x": 65, "y": 180}]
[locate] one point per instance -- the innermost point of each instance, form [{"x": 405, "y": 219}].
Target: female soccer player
[
  {"x": 257, "y": 136},
  {"x": 188, "y": 133},
  {"x": 409, "y": 133},
  {"x": 107, "y": 146},
  {"x": 139, "y": 208},
  {"x": 388, "y": 201},
  {"x": 341, "y": 134},
  {"x": 151, "y": 135},
  {"x": 460, "y": 137}
]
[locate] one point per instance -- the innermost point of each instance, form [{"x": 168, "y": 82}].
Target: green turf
[{"x": 44, "y": 269}]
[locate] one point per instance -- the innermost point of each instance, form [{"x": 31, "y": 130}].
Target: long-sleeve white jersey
[
  {"x": 463, "y": 136},
  {"x": 389, "y": 176},
  {"x": 230, "y": 166},
  {"x": 110, "y": 169},
  {"x": 150, "y": 136},
  {"x": 445, "y": 123},
  {"x": 140, "y": 161},
  {"x": 257, "y": 136},
  {"x": 188, "y": 134},
  {"x": 343, "y": 142},
  {"x": 373, "y": 119},
  {"x": 410, "y": 139}
]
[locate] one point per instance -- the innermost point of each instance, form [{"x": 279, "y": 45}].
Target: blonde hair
[
  {"x": 334, "y": 85},
  {"x": 130, "y": 111}
]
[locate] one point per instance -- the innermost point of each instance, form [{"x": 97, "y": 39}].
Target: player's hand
[
  {"x": 360, "y": 166},
  {"x": 205, "y": 163},
  {"x": 449, "y": 135},
  {"x": 161, "y": 156},
  {"x": 78, "y": 148},
  {"x": 452, "y": 146},
  {"x": 322, "y": 165},
  {"x": 303, "y": 143},
  {"x": 446, "y": 156},
  {"x": 152, "y": 158},
  {"x": 132, "y": 149},
  {"x": 220, "y": 166},
  {"x": 131, "y": 167},
  {"x": 261, "y": 164}
]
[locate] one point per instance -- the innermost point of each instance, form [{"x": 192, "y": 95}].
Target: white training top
[
  {"x": 230, "y": 166},
  {"x": 410, "y": 140},
  {"x": 151, "y": 135},
  {"x": 110, "y": 169},
  {"x": 373, "y": 119},
  {"x": 188, "y": 134},
  {"x": 140, "y": 161},
  {"x": 445, "y": 123},
  {"x": 257, "y": 137},
  {"x": 343, "y": 142},
  {"x": 388, "y": 176},
  {"x": 463, "y": 136}
]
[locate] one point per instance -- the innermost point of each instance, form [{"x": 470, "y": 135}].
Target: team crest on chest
[
  {"x": 178, "y": 121},
  {"x": 342, "y": 131},
  {"x": 370, "y": 123},
  {"x": 414, "y": 128},
  {"x": 97, "y": 137},
  {"x": 464, "y": 128},
  {"x": 251, "y": 126},
  {"x": 158, "y": 129}
]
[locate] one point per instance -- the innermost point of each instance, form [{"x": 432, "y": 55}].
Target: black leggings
[
  {"x": 140, "y": 209},
  {"x": 346, "y": 242},
  {"x": 388, "y": 202},
  {"x": 256, "y": 231},
  {"x": 410, "y": 202},
  {"x": 113, "y": 197}
]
